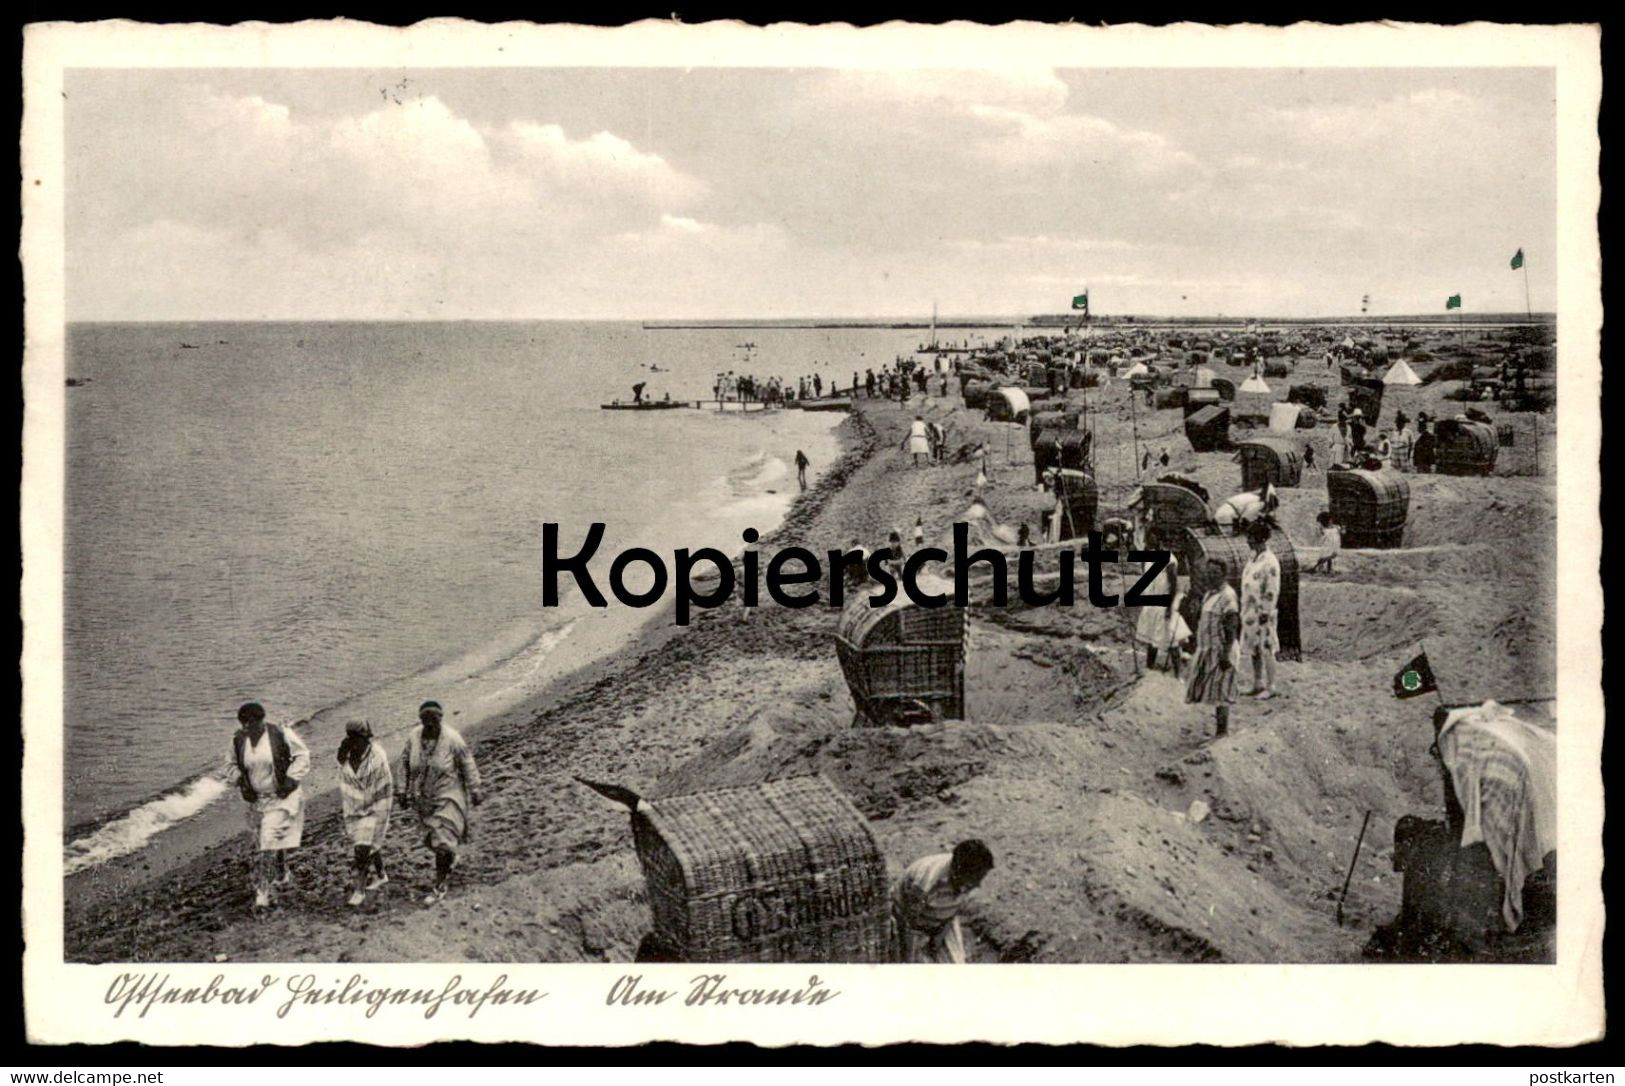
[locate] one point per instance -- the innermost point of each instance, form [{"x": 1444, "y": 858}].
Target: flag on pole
[
  {"x": 1081, "y": 301},
  {"x": 1453, "y": 302},
  {"x": 1517, "y": 260},
  {"x": 1415, "y": 679}
]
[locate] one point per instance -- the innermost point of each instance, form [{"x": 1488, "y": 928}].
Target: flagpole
[
  {"x": 1366, "y": 821},
  {"x": 1134, "y": 421},
  {"x": 1528, "y": 309}
]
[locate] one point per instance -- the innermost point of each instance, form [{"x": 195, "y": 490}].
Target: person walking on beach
[
  {"x": 367, "y": 789},
  {"x": 443, "y": 783},
  {"x": 1212, "y": 679},
  {"x": 270, "y": 761},
  {"x": 927, "y": 901},
  {"x": 1423, "y": 454},
  {"x": 918, "y": 442},
  {"x": 801, "y": 468},
  {"x": 1260, "y": 599},
  {"x": 869, "y": 384}
]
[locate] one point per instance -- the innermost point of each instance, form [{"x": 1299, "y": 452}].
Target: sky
[{"x": 778, "y": 193}]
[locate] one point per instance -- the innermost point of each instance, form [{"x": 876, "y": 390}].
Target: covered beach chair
[
  {"x": 1008, "y": 405},
  {"x": 1371, "y": 507},
  {"x": 1465, "y": 447},
  {"x": 1208, "y": 430},
  {"x": 782, "y": 871},
  {"x": 1167, "y": 509},
  {"x": 1269, "y": 458},
  {"x": 1078, "y": 501},
  {"x": 1198, "y": 398}
]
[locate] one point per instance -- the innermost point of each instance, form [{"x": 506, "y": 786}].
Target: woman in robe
[
  {"x": 367, "y": 789},
  {"x": 1260, "y": 602},
  {"x": 918, "y": 442},
  {"x": 443, "y": 782},
  {"x": 1212, "y": 679},
  {"x": 270, "y": 762}
]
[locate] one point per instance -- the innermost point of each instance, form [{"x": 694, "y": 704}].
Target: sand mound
[
  {"x": 1345, "y": 620},
  {"x": 882, "y": 769},
  {"x": 1469, "y": 509},
  {"x": 1013, "y": 677}
]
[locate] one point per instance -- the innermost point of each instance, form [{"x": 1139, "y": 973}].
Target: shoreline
[{"x": 599, "y": 643}]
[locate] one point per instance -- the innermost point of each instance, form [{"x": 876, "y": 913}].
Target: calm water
[{"x": 326, "y": 516}]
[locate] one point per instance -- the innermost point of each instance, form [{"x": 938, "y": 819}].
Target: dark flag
[
  {"x": 1517, "y": 260},
  {"x": 1081, "y": 301},
  {"x": 1415, "y": 679},
  {"x": 615, "y": 792}
]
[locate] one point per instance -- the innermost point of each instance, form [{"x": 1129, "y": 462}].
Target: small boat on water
[
  {"x": 647, "y": 405},
  {"x": 840, "y": 403}
]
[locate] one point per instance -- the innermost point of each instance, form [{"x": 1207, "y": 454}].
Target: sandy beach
[{"x": 1076, "y": 765}]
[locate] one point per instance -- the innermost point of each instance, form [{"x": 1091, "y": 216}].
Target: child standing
[{"x": 1331, "y": 542}]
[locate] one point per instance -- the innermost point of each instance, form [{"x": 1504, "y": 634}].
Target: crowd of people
[
  {"x": 438, "y": 778},
  {"x": 1406, "y": 449},
  {"x": 748, "y": 388}
]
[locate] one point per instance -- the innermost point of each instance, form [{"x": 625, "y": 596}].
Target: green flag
[
  {"x": 1453, "y": 302},
  {"x": 1517, "y": 260},
  {"x": 1081, "y": 301},
  {"x": 1414, "y": 679}
]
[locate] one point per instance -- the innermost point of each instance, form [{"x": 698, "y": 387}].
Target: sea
[{"x": 341, "y": 519}]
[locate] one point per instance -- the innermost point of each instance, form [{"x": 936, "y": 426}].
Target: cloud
[
  {"x": 801, "y": 192},
  {"x": 1039, "y": 142},
  {"x": 548, "y": 155},
  {"x": 226, "y": 182}
]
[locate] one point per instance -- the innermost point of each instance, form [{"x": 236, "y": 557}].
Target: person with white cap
[
  {"x": 443, "y": 782},
  {"x": 1356, "y": 432},
  {"x": 367, "y": 790}
]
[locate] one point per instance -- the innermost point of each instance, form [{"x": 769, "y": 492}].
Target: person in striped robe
[
  {"x": 443, "y": 782},
  {"x": 367, "y": 787}
]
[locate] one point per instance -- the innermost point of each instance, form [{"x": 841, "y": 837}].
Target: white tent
[
  {"x": 1284, "y": 417},
  {"x": 1254, "y": 383},
  {"x": 1137, "y": 370},
  {"x": 1400, "y": 373}
]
